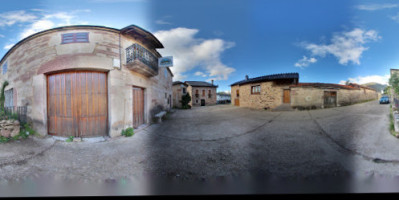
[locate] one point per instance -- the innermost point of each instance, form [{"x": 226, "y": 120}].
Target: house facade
[
  {"x": 202, "y": 93},
  {"x": 271, "y": 91},
  {"x": 87, "y": 81},
  {"x": 179, "y": 89}
]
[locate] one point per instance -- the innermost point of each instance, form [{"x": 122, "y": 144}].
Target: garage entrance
[
  {"x": 330, "y": 99},
  {"x": 138, "y": 106},
  {"x": 77, "y": 104}
]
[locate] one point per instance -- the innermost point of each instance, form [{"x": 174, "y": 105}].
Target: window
[
  {"x": 184, "y": 90},
  {"x": 196, "y": 101},
  {"x": 9, "y": 98},
  {"x": 5, "y": 68},
  {"x": 255, "y": 89},
  {"x": 166, "y": 95},
  {"x": 209, "y": 94},
  {"x": 75, "y": 37},
  {"x": 203, "y": 93},
  {"x": 196, "y": 93},
  {"x": 238, "y": 93}
]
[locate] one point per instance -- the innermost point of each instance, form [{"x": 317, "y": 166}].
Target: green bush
[
  {"x": 70, "y": 139},
  {"x": 128, "y": 132}
]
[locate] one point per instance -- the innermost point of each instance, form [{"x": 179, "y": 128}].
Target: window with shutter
[{"x": 75, "y": 38}]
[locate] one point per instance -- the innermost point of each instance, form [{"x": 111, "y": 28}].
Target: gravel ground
[{"x": 216, "y": 150}]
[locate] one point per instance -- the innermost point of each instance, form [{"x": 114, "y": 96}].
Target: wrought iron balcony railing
[{"x": 136, "y": 52}]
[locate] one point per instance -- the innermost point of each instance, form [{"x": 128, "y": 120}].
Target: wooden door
[
  {"x": 286, "y": 96},
  {"x": 138, "y": 106},
  {"x": 330, "y": 99},
  {"x": 77, "y": 104},
  {"x": 237, "y": 102}
]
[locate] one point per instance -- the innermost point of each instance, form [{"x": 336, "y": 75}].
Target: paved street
[{"x": 223, "y": 149}]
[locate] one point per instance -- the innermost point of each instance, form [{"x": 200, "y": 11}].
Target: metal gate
[
  {"x": 77, "y": 104},
  {"x": 330, "y": 99}
]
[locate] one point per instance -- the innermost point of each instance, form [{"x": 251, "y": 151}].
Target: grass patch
[
  {"x": 128, "y": 132},
  {"x": 70, "y": 139}
]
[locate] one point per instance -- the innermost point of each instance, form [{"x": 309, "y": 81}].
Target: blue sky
[{"x": 224, "y": 40}]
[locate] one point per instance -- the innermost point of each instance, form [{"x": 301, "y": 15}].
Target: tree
[
  {"x": 387, "y": 90},
  {"x": 394, "y": 82},
  {"x": 185, "y": 99}
]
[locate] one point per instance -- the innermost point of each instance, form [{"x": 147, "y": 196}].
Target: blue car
[{"x": 384, "y": 99}]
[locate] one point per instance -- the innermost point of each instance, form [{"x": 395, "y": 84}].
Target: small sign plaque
[{"x": 165, "y": 61}]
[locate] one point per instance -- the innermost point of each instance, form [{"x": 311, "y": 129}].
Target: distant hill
[{"x": 376, "y": 86}]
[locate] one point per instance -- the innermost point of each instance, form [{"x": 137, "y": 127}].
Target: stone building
[
  {"x": 87, "y": 81},
  {"x": 202, "y": 93},
  {"x": 272, "y": 91},
  {"x": 179, "y": 89}
]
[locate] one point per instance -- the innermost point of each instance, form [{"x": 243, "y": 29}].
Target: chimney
[
  {"x": 246, "y": 77},
  {"x": 212, "y": 82}
]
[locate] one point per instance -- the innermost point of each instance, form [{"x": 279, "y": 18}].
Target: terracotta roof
[
  {"x": 352, "y": 86},
  {"x": 268, "y": 78},
  {"x": 200, "y": 84}
]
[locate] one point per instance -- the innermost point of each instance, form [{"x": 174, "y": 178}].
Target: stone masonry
[{"x": 9, "y": 128}]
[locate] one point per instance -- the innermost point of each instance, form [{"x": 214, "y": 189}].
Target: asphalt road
[{"x": 217, "y": 150}]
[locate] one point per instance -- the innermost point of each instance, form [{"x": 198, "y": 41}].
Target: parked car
[{"x": 384, "y": 99}]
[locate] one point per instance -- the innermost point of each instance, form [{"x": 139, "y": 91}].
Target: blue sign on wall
[{"x": 165, "y": 61}]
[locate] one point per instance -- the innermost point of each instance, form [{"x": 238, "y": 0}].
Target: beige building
[
  {"x": 179, "y": 89},
  {"x": 202, "y": 93},
  {"x": 87, "y": 81},
  {"x": 272, "y": 91}
]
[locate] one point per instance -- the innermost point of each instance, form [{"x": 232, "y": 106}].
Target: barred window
[
  {"x": 9, "y": 98},
  {"x": 75, "y": 37},
  {"x": 255, "y": 89}
]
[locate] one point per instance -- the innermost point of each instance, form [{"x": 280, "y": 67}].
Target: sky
[{"x": 224, "y": 40}]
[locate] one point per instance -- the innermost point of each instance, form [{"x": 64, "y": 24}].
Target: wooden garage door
[
  {"x": 77, "y": 104},
  {"x": 138, "y": 106}
]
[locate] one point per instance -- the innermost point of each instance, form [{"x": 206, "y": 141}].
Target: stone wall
[
  {"x": 31, "y": 60},
  {"x": 196, "y": 101},
  {"x": 308, "y": 97},
  {"x": 9, "y": 128},
  {"x": 271, "y": 95}
]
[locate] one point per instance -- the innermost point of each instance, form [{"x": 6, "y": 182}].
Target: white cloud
[
  {"x": 345, "y": 46},
  {"x": 8, "y": 46},
  {"x": 305, "y": 61},
  {"x": 200, "y": 74},
  {"x": 190, "y": 52},
  {"x": 161, "y": 21},
  {"x": 367, "y": 79},
  {"x": 372, "y": 7},
  {"x": 36, "y": 27},
  {"x": 52, "y": 20},
  {"x": 13, "y": 17}
]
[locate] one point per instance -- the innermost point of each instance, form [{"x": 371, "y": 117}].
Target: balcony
[{"x": 141, "y": 60}]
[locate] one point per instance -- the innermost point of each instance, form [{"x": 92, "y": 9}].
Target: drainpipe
[{"x": 120, "y": 52}]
